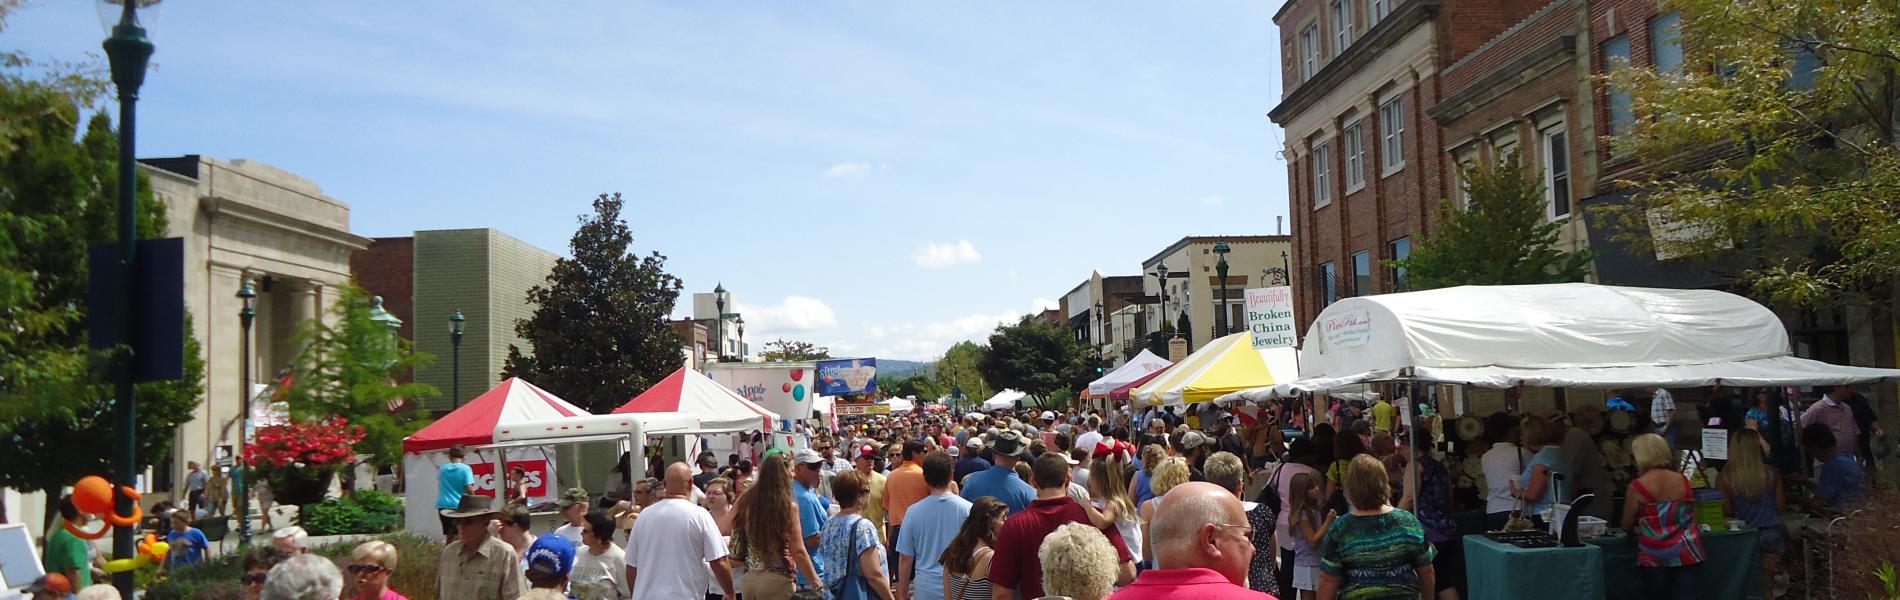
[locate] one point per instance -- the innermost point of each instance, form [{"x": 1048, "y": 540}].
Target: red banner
[{"x": 537, "y": 474}]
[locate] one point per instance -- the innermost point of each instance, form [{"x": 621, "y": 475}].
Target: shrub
[
  {"x": 368, "y": 511},
  {"x": 217, "y": 579}
]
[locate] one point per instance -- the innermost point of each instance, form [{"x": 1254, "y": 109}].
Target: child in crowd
[{"x": 1309, "y": 529}]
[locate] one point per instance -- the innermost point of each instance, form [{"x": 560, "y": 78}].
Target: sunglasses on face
[
  {"x": 364, "y": 569},
  {"x": 252, "y": 578}
]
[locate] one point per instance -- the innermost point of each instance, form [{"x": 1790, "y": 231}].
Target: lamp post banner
[{"x": 1270, "y": 317}]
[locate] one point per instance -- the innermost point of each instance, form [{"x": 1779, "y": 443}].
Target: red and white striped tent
[
  {"x": 514, "y": 401},
  {"x": 719, "y": 410}
]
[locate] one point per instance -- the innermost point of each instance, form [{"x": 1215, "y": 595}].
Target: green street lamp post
[
  {"x": 719, "y": 330},
  {"x": 130, "y": 53},
  {"x": 456, "y": 321},
  {"x": 246, "y": 315},
  {"x": 739, "y": 321},
  {"x": 1220, "y": 304},
  {"x": 1161, "y": 275}
]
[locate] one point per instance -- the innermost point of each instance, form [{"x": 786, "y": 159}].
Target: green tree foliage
[
  {"x": 350, "y": 367},
  {"x": 959, "y": 368},
  {"x": 1036, "y": 357},
  {"x": 781, "y": 350},
  {"x": 57, "y": 184},
  {"x": 1501, "y": 238},
  {"x": 921, "y": 387},
  {"x": 599, "y": 328},
  {"x": 1788, "y": 152}
]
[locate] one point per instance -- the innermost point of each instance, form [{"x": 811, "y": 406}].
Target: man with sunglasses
[
  {"x": 1202, "y": 548},
  {"x": 807, "y": 474},
  {"x": 478, "y": 566}
]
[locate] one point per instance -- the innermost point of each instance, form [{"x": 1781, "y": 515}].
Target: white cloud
[
  {"x": 855, "y": 168},
  {"x": 927, "y": 341},
  {"x": 1042, "y": 304},
  {"x": 794, "y": 313},
  {"x": 1213, "y": 200},
  {"x": 936, "y": 256}
]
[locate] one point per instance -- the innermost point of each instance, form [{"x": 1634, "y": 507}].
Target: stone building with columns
[{"x": 241, "y": 220}]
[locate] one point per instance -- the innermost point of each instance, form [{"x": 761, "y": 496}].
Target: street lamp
[
  {"x": 456, "y": 321},
  {"x": 130, "y": 53},
  {"x": 1161, "y": 274},
  {"x": 246, "y": 315},
  {"x": 740, "y": 322},
  {"x": 1220, "y": 305},
  {"x": 719, "y": 334}
]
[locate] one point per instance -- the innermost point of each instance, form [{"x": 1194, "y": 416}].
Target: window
[
  {"x": 1309, "y": 52},
  {"x": 1353, "y": 145},
  {"x": 1342, "y": 26},
  {"x": 1322, "y": 175},
  {"x": 1805, "y": 64},
  {"x": 1665, "y": 42},
  {"x": 1392, "y": 132},
  {"x": 1362, "y": 273},
  {"x": 1616, "y": 55},
  {"x": 1380, "y": 8},
  {"x": 1328, "y": 291},
  {"x": 1557, "y": 172},
  {"x": 1400, "y": 249}
]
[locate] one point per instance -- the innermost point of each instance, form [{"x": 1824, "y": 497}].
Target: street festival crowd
[{"x": 1201, "y": 502}]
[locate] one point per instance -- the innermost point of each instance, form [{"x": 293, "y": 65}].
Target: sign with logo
[
  {"x": 1347, "y": 329},
  {"x": 536, "y": 464},
  {"x": 1177, "y": 350},
  {"x": 786, "y": 389},
  {"x": 863, "y": 409},
  {"x": 1270, "y": 318},
  {"x": 850, "y": 377},
  {"x": 1715, "y": 443}
]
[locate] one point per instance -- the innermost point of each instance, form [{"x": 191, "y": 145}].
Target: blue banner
[{"x": 848, "y": 377}]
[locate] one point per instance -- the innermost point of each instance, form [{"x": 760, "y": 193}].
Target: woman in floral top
[
  {"x": 848, "y": 545},
  {"x": 1376, "y": 552}
]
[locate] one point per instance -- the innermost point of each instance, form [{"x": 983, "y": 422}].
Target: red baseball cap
[{"x": 868, "y": 451}]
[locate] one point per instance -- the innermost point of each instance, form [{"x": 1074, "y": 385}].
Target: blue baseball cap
[{"x": 551, "y": 555}]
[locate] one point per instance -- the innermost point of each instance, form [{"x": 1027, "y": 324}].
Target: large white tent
[
  {"x": 1003, "y": 400},
  {"x": 717, "y": 408},
  {"x": 1555, "y": 335},
  {"x": 1136, "y": 368}
]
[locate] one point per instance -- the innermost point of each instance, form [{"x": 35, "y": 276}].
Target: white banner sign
[
  {"x": 1270, "y": 318},
  {"x": 1347, "y": 330}
]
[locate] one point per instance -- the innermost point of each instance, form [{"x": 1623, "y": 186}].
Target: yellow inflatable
[{"x": 150, "y": 551}]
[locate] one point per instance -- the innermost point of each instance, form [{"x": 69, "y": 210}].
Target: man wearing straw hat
[{"x": 477, "y": 566}]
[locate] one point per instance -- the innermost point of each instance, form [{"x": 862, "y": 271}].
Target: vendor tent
[
  {"x": 1556, "y": 335},
  {"x": 1121, "y": 393},
  {"x": 718, "y": 409},
  {"x": 902, "y": 405},
  {"x": 1224, "y": 366},
  {"x": 1003, "y": 400},
  {"x": 514, "y": 401},
  {"x": 1138, "y": 367}
]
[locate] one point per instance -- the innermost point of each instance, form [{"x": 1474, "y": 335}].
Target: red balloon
[
  {"x": 797, "y": 374},
  {"x": 788, "y": 388}
]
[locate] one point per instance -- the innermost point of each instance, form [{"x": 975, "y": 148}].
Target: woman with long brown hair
[
  {"x": 765, "y": 534},
  {"x": 966, "y": 561}
]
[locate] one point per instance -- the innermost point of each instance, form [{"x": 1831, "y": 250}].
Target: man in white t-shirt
[
  {"x": 676, "y": 544},
  {"x": 1092, "y": 436},
  {"x": 574, "y": 510}
]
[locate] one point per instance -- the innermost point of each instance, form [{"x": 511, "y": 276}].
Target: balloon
[
  {"x": 787, "y": 387},
  {"x": 798, "y": 374},
  {"x": 92, "y": 494},
  {"x": 150, "y": 551},
  {"x": 798, "y": 393}
]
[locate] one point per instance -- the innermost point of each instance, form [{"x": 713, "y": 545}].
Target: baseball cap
[
  {"x": 868, "y": 451},
  {"x": 952, "y": 451},
  {"x": 1192, "y": 439},
  {"x": 551, "y": 555},
  {"x": 1048, "y": 415},
  {"x": 805, "y": 456},
  {"x": 706, "y": 460},
  {"x": 1007, "y": 442},
  {"x": 572, "y": 496},
  {"x": 51, "y": 582}
]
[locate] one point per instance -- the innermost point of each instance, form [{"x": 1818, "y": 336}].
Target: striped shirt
[{"x": 1376, "y": 556}]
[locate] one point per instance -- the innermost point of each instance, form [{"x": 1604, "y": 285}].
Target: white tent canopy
[
  {"x": 1136, "y": 368},
  {"x": 1003, "y": 400},
  {"x": 902, "y": 405},
  {"x": 1555, "y": 335}
]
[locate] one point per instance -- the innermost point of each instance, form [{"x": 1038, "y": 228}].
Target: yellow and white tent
[{"x": 1224, "y": 366}]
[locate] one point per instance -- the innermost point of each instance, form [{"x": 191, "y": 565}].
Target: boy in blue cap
[{"x": 549, "y": 561}]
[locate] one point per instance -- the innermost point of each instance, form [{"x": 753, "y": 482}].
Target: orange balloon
[{"x": 93, "y": 494}]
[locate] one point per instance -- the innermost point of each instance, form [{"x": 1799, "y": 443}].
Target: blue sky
[{"x": 884, "y": 178}]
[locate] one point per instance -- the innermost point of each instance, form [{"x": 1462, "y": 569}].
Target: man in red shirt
[
  {"x": 1203, "y": 545},
  {"x": 1016, "y": 566}
]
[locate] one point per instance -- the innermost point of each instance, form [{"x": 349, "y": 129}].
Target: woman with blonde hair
[
  {"x": 1374, "y": 551},
  {"x": 1171, "y": 472},
  {"x": 1078, "y": 563},
  {"x": 1141, "y": 486},
  {"x": 371, "y": 564},
  {"x": 1533, "y": 486},
  {"x": 1754, "y": 495},
  {"x": 765, "y": 534},
  {"x": 1659, "y": 510},
  {"x": 1110, "y": 504}
]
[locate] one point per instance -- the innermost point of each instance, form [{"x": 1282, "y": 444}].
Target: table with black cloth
[
  {"x": 1499, "y": 571},
  {"x": 1731, "y": 565}
]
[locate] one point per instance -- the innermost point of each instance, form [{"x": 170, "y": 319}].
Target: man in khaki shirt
[{"x": 477, "y": 566}]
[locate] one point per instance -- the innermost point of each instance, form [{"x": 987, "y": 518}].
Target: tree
[
  {"x": 959, "y": 369},
  {"x": 57, "y": 185},
  {"x": 781, "y": 350},
  {"x": 923, "y": 388},
  {"x": 1501, "y": 238},
  {"x": 350, "y": 369},
  {"x": 599, "y": 330},
  {"x": 1788, "y": 153},
  {"x": 1036, "y": 357}
]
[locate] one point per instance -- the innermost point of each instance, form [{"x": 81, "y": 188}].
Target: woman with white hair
[
  {"x": 1077, "y": 562},
  {"x": 371, "y": 564},
  {"x": 304, "y": 577}
]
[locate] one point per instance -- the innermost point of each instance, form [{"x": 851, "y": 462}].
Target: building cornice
[
  {"x": 224, "y": 207},
  {"x": 1209, "y": 239},
  {"x": 1356, "y": 58},
  {"x": 1546, "y": 59}
]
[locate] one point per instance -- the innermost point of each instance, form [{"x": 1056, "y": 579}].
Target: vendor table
[
  {"x": 1497, "y": 571},
  {"x": 1731, "y": 565}
]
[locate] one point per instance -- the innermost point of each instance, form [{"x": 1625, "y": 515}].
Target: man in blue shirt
[
  {"x": 929, "y": 527},
  {"x": 972, "y": 460},
  {"x": 453, "y": 481},
  {"x": 1842, "y": 486},
  {"x": 1000, "y": 480},
  {"x": 807, "y": 471},
  {"x": 1616, "y": 402}
]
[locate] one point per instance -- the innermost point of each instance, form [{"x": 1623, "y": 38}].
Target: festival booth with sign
[
  {"x": 723, "y": 416},
  {"x": 1003, "y": 400},
  {"x": 473, "y": 426},
  {"x": 1140, "y": 368},
  {"x": 1540, "y": 345},
  {"x": 1224, "y": 366}
]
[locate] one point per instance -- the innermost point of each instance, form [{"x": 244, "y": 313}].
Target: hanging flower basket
[
  {"x": 300, "y": 486},
  {"x": 300, "y": 459}
]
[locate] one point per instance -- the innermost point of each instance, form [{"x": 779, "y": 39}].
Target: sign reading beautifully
[
  {"x": 1347, "y": 329},
  {"x": 1270, "y": 317},
  {"x": 849, "y": 377}
]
